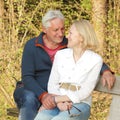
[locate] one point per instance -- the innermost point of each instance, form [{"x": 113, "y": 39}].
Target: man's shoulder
[
  {"x": 35, "y": 39},
  {"x": 30, "y": 44},
  {"x": 31, "y": 41}
]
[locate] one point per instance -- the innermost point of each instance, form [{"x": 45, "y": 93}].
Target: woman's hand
[{"x": 64, "y": 105}]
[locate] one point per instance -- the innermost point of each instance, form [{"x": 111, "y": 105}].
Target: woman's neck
[{"x": 77, "y": 53}]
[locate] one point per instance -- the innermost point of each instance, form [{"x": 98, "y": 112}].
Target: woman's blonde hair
[{"x": 86, "y": 30}]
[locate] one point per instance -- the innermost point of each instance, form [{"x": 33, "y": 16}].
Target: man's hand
[
  {"x": 108, "y": 79},
  {"x": 48, "y": 101},
  {"x": 41, "y": 108}
]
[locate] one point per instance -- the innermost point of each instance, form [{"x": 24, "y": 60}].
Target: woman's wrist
[
  {"x": 54, "y": 99},
  {"x": 61, "y": 98}
]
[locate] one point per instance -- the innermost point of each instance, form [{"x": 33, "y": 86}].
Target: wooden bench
[{"x": 114, "y": 112}]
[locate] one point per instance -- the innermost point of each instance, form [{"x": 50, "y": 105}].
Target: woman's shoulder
[{"x": 93, "y": 55}]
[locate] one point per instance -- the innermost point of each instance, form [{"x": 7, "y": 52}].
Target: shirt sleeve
[
  {"x": 104, "y": 68},
  {"x": 28, "y": 69}
]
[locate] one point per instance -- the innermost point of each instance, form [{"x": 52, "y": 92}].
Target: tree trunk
[
  {"x": 1, "y": 18},
  {"x": 99, "y": 17}
]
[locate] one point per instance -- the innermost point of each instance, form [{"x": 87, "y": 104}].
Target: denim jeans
[
  {"x": 56, "y": 114},
  {"x": 27, "y": 103}
]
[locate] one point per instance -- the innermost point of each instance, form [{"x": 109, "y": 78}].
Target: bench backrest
[{"x": 114, "y": 112}]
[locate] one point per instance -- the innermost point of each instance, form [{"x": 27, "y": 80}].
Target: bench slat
[{"x": 114, "y": 113}]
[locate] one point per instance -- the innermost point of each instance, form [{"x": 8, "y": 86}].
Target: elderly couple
[{"x": 59, "y": 73}]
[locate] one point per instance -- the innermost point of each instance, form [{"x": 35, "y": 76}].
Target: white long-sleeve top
[{"x": 84, "y": 72}]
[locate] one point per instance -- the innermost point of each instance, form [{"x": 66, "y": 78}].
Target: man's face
[{"x": 55, "y": 32}]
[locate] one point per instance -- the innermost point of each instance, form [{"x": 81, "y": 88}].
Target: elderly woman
[{"x": 74, "y": 75}]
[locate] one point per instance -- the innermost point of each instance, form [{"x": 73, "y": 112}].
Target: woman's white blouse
[{"x": 84, "y": 72}]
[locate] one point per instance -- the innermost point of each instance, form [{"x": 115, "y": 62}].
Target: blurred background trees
[{"x": 20, "y": 20}]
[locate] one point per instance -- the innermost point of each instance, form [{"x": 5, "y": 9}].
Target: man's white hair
[{"x": 50, "y": 15}]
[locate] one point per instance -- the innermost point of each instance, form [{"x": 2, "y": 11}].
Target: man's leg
[
  {"x": 29, "y": 106},
  {"x": 47, "y": 114}
]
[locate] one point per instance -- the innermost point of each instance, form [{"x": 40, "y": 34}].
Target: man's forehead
[{"x": 57, "y": 21}]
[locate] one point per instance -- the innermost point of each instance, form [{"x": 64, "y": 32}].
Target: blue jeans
[
  {"x": 56, "y": 114},
  {"x": 27, "y": 103}
]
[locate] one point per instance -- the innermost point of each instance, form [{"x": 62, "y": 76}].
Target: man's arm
[
  {"x": 28, "y": 77},
  {"x": 107, "y": 76},
  {"x": 28, "y": 69}
]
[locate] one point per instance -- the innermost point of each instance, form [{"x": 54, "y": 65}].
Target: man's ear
[{"x": 44, "y": 29}]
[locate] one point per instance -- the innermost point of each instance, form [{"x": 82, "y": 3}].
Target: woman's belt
[{"x": 69, "y": 86}]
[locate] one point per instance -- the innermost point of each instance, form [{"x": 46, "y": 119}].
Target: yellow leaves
[{"x": 100, "y": 106}]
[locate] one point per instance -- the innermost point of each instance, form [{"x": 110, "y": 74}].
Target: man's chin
[{"x": 59, "y": 40}]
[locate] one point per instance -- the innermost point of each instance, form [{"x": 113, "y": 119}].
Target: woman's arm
[{"x": 62, "y": 98}]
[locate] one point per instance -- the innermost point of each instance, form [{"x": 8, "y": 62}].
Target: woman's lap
[{"x": 55, "y": 114}]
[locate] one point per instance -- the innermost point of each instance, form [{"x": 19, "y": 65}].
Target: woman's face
[{"x": 74, "y": 38}]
